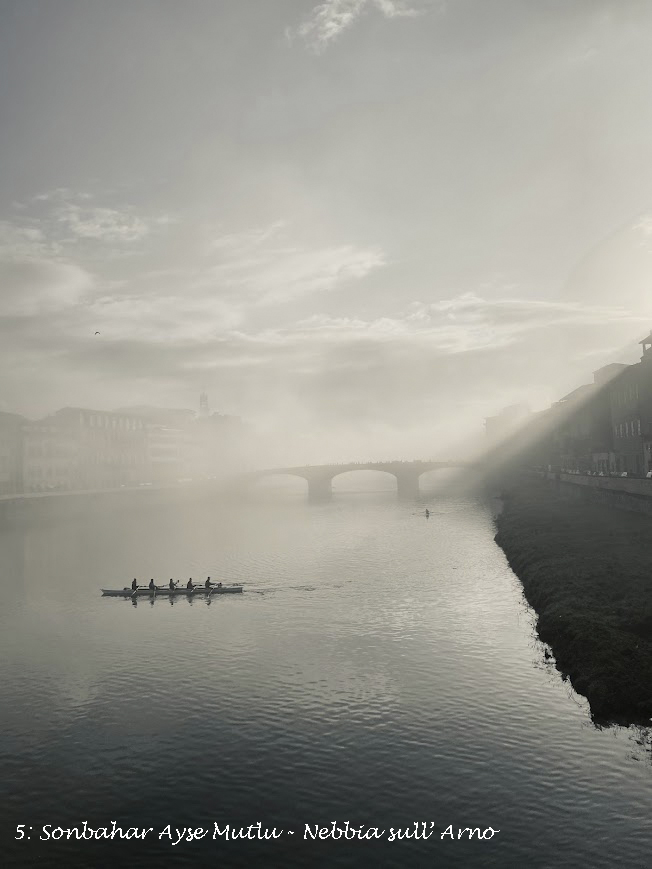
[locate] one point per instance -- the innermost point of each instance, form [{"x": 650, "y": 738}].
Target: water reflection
[{"x": 378, "y": 667}]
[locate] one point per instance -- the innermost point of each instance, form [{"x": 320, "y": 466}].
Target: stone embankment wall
[
  {"x": 623, "y": 493},
  {"x": 70, "y": 505}
]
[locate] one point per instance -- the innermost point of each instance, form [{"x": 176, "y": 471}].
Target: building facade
[
  {"x": 631, "y": 415},
  {"x": 50, "y": 457},
  {"x": 604, "y": 427},
  {"x": 79, "y": 448},
  {"x": 11, "y": 453},
  {"x": 167, "y": 453}
]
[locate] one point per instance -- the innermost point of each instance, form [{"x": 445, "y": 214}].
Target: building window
[{"x": 639, "y": 423}]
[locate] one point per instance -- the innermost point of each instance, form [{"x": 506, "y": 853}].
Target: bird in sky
[{"x": 97, "y": 333}]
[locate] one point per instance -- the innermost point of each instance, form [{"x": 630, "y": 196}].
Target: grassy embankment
[{"x": 587, "y": 571}]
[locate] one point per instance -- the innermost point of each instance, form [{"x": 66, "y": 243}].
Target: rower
[
  {"x": 134, "y": 585},
  {"x": 173, "y": 585},
  {"x": 189, "y": 584},
  {"x": 208, "y": 582},
  {"x": 219, "y": 585},
  {"x": 151, "y": 585}
]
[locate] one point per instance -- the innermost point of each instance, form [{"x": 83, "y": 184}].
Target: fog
[
  {"x": 309, "y": 310},
  {"x": 360, "y": 226}
]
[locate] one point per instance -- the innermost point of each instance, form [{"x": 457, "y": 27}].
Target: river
[{"x": 381, "y": 668}]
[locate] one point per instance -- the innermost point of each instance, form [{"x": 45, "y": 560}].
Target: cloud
[
  {"x": 277, "y": 276},
  {"x": 375, "y": 367},
  {"x": 191, "y": 301},
  {"x": 396, "y": 9},
  {"x": 205, "y": 304},
  {"x": 246, "y": 240},
  {"x": 33, "y": 287},
  {"x": 34, "y": 275},
  {"x": 61, "y": 193},
  {"x": 101, "y": 224},
  {"x": 431, "y": 367},
  {"x": 644, "y": 226},
  {"x": 68, "y": 216},
  {"x": 259, "y": 267},
  {"x": 24, "y": 240},
  {"x": 212, "y": 310},
  {"x": 464, "y": 323},
  {"x": 330, "y": 18},
  {"x": 166, "y": 318},
  {"x": 208, "y": 335}
]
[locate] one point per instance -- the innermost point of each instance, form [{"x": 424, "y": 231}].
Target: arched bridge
[{"x": 320, "y": 477}]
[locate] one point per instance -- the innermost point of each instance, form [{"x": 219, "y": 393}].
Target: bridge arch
[
  {"x": 348, "y": 473},
  {"x": 280, "y": 480},
  {"x": 432, "y": 473},
  {"x": 320, "y": 477}
]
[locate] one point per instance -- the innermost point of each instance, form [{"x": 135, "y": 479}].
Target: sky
[{"x": 362, "y": 225}]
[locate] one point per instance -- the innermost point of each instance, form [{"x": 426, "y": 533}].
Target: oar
[{"x": 138, "y": 588}]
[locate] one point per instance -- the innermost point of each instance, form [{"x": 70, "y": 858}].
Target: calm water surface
[{"x": 380, "y": 668}]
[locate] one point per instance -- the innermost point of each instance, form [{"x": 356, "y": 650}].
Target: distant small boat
[{"x": 166, "y": 591}]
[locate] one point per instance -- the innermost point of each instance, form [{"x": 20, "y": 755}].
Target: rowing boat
[{"x": 168, "y": 592}]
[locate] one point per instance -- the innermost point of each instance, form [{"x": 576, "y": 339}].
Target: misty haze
[{"x": 326, "y": 433}]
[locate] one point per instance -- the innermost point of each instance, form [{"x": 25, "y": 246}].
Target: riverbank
[
  {"x": 27, "y": 508},
  {"x": 587, "y": 572}
]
